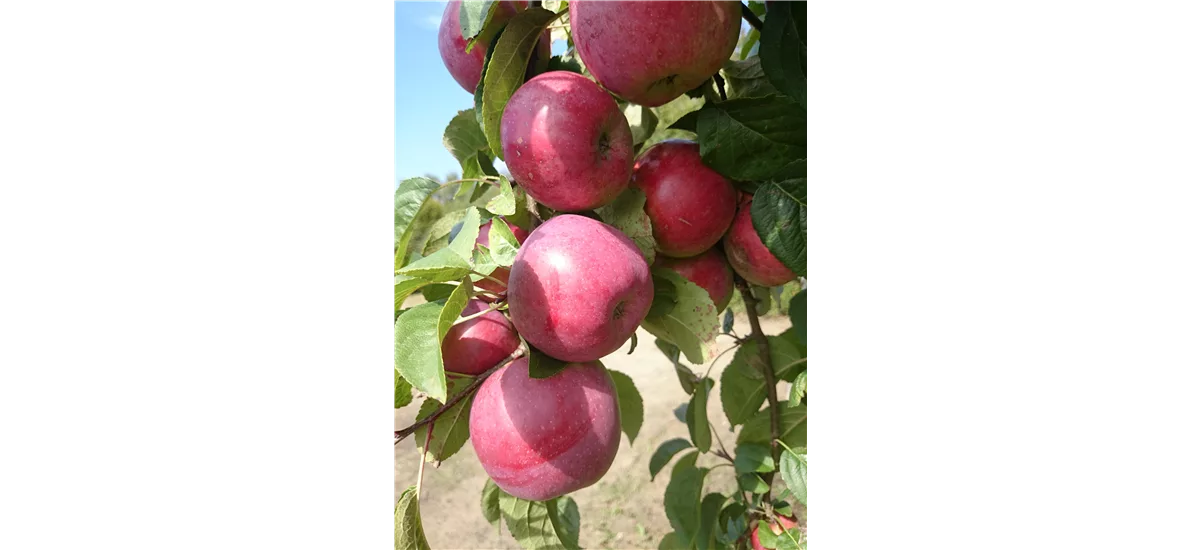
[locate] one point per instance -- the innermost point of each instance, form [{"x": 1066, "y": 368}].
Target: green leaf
[
  {"x": 410, "y": 196},
  {"x": 490, "y": 502},
  {"x": 753, "y": 483},
  {"x": 627, "y": 213},
  {"x": 743, "y": 388},
  {"x": 664, "y": 299},
  {"x": 405, "y": 286},
  {"x": 506, "y": 68},
  {"x": 799, "y": 388},
  {"x": 439, "y": 267},
  {"x": 464, "y": 139},
  {"x": 752, "y": 39},
  {"x": 464, "y": 242},
  {"x": 403, "y": 394},
  {"x": 746, "y": 79},
  {"x": 409, "y": 533},
  {"x": 782, "y": 507},
  {"x": 710, "y": 507},
  {"x": 418, "y": 353},
  {"x": 753, "y": 457},
  {"x": 687, "y": 122},
  {"x": 450, "y": 430},
  {"x": 669, "y": 542},
  {"x": 487, "y": 58},
  {"x": 697, "y": 417},
  {"x": 473, "y": 17},
  {"x": 789, "y": 540},
  {"x": 681, "y": 412},
  {"x": 798, "y": 313},
  {"x": 564, "y": 516},
  {"x": 532, "y": 525},
  {"x": 642, "y": 122},
  {"x": 762, "y": 296},
  {"x": 727, "y": 322},
  {"x": 665, "y": 453},
  {"x": 766, "y": 536},
  {"x": 793, "y": 427},
  {"x": 784, "y": 48},
  {"x": 505, "y": 203},
  {"x": 439, "y": 291},
  {"x": 630, "y": 403},
  {"x": 780, "y": 216},
  {"x": 753, "y": 138},
  {"x": 542, "y": 365},
  {"x": 794, "y": 468},
  {"x": 502, "y": 243},
  {"x": 691, "y": 324},
  {"x": 441, "y": 230},
  {"x": 484, "y": 263},
  {"x": 682, "y": 502},
  {"x": 564, "y": 63}
]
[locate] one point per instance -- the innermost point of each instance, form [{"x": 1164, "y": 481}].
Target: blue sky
[{"x": 427, "y": 97}]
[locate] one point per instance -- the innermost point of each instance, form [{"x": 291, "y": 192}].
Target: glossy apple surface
[
  {"x": 578, "y": 288},
  {"x": 690, "y": 206},
  {"x": 500, "y": 273},
  {"x": 543, "y": 438},
  {"x": 466, "y": 67},
  {"x": 474, "y": 346},
  {"x": 709, "y": 271},
  {"x": 747, "y": 254}
]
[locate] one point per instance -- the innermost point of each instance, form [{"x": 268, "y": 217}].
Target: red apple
[
  {"x": 543, "y": 438},
  {"x": 500, "y": 273},
  {"x": 747, "y": 253},
  {"x": 474, "y": 346},
  {"x": 578, "y": 288},
  {"x": 566, "y": 142},
  {"x": 784, "y": 523},
  {"x": 689, "y": 204},
  {"x": 466, "y": 67},
  {"x": 709, "y": 271},
  {"x": 652, "y": 52}
]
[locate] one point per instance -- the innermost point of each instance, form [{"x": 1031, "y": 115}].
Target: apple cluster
[{"x": 579, "y": 288}]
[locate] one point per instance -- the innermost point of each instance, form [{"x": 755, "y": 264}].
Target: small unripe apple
[
  {"x": 474, "y": 346},
  {"x": 543, "y": 438},
  {"x": 784, "y": 523},
  {"x": 466, "y": 67},
  {"x": 690, "y": 205},
  {"x": 709, "y": 271},
  {"x": 652, "y": 52},
  {"x": 566, "y": 142},
  {"x": 748, "y": 255},
  {"x": 578, "y": 288},
  {"x": 500, "y": 273}
]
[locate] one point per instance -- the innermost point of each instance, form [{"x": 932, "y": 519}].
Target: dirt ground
[{"x": 624, "y": 509}]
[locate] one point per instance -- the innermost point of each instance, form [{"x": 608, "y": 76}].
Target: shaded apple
[
  {"x": 464, "y": 66},
  {"x": 566, "y": 142},
  {"x": 652, "y": 52},
  {"x": 500, "y": 273},
  {"x": 474, "y": 346},
  {"x": 578, "y": 288},
  {"x": 747, "y": 254},
  {"x": 689, "y": 204},
  {"x": 784, "y": 523},
  {"x": 542, "y": 438},
  {"x": 709, "y": 271}
]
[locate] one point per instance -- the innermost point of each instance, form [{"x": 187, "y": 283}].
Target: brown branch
[
  {"x": 751, "y": 18},
  {"x": 469, "y": 390},
  {"x": 768, "y": 370}
]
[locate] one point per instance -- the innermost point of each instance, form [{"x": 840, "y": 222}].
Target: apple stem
[
  {"x": 751, "y": 18},
  {"x": 469, "y": 390},
  {"x": 491, "y": 308},
  {"x": 421, "y": 468},
  {"x": 490, "y": 278},
  {"x": 768, "y": 370}
]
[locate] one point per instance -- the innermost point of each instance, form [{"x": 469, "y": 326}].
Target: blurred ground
[{"x": 624, "y": 509}]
